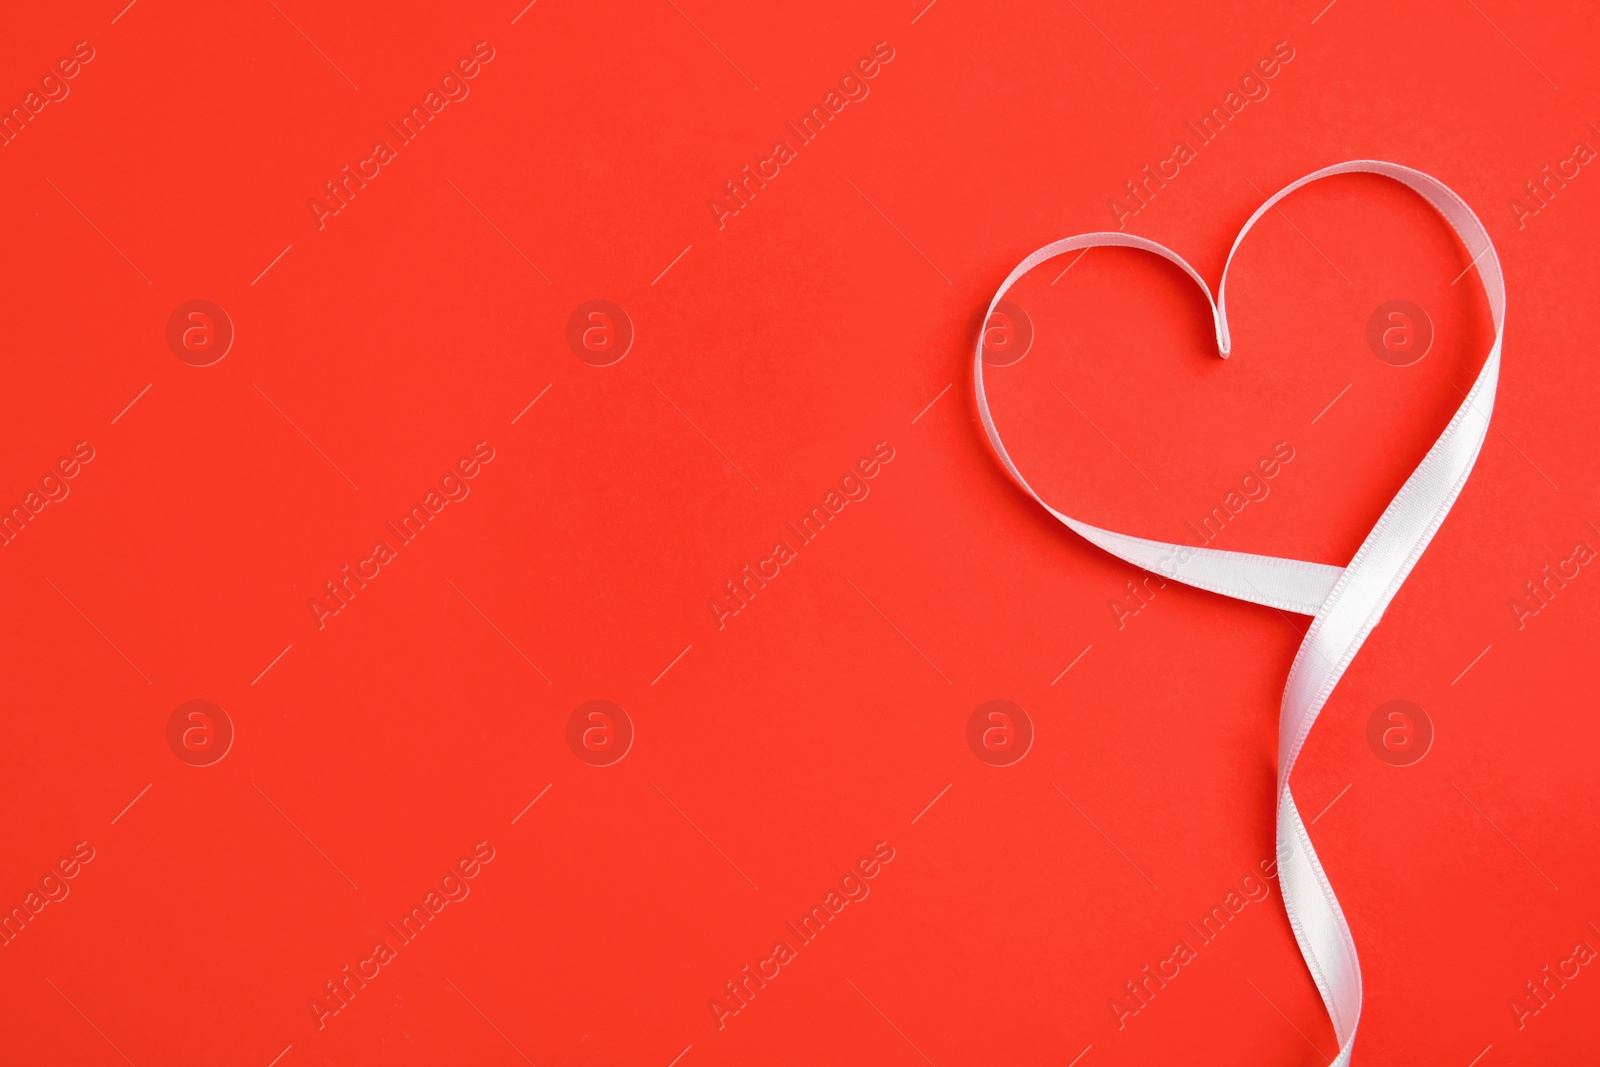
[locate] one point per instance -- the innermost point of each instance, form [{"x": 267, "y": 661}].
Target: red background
[{"x": 769, "y": 357}]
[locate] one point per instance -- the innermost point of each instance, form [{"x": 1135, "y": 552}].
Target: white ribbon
[{"x": 1345, "y": 602}]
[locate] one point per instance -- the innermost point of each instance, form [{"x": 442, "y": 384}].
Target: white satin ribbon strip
[{"x": 1345, "y": 602}]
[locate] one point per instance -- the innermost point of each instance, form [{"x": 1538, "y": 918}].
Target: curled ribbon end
[{"x": 1219, "y": 318}]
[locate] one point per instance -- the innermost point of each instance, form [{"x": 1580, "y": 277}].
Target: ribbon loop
[{"x": 1345, "y": 602}]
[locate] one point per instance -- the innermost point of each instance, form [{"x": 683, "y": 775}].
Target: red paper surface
[{"x": 419, "y": 335}]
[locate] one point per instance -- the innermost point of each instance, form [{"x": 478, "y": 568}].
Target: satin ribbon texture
[{"x": 1345, "y": 602}]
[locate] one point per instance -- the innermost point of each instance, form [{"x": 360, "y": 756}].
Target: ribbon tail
[
  {"x": 1319, "y": 924},
  {"x": 1286, "y": 584}
]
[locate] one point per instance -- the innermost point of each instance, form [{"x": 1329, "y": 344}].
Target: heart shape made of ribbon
[{"x": 1345, "y": 603}]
